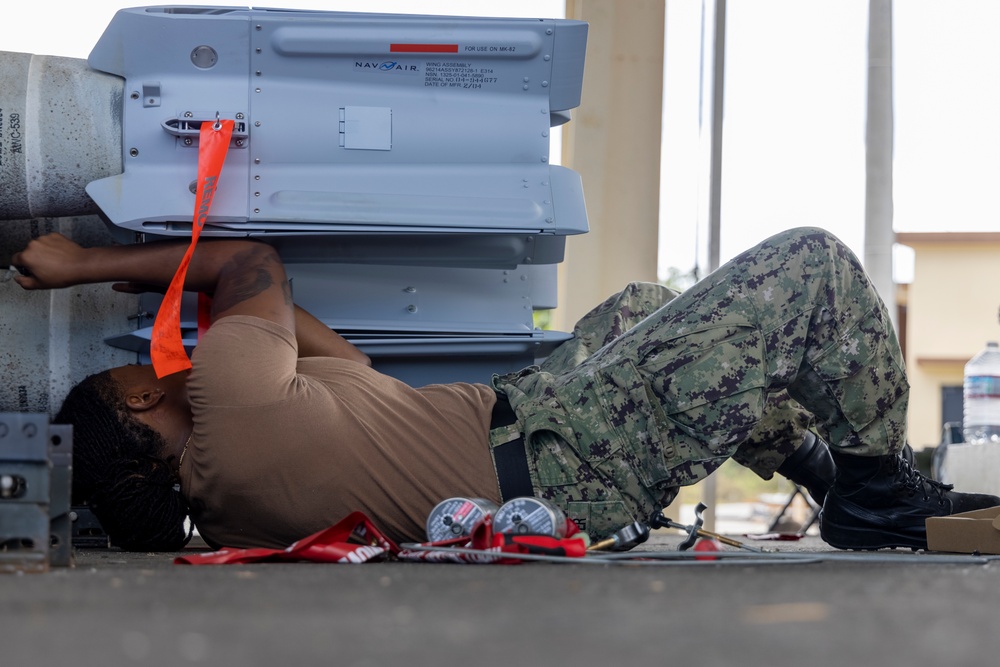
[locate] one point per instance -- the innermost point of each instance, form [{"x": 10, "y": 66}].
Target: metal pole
[
  {"x": 710, "y": 490},
  {"x": 715, "y": 159},
  {"x": 879, "y": 235}
]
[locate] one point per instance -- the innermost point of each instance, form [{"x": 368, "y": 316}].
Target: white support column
[{"x": 613, "y": 141}]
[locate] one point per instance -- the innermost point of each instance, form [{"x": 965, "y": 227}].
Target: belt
[{"x": 510, "y": 459}]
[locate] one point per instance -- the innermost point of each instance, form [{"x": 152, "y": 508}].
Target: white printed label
[{"x": 445, "y": 74}]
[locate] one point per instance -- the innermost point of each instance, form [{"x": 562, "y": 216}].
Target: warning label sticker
[
  {"x": 444, "y": 74},
  {"x": 13, "y": 139},
  {"x": 12, "y": 142}
]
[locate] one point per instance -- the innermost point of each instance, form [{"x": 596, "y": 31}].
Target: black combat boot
[
  {"x": 811, "y": 466},
  {"x": 883, "y": 501}
]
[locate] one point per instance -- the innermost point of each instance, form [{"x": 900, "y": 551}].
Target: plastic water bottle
[{"x": 981, "y": 396}]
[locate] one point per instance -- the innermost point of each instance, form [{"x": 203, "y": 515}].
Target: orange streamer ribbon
[{"x": 167, "y": 346}]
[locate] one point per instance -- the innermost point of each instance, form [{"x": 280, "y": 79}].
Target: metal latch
[{"x": 187, "y": 127}]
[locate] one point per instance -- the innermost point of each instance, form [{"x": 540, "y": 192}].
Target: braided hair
[{"x": 118, "y": 469}]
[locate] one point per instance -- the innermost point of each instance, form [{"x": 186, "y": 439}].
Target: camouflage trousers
[{"x": 657, "y": 389}]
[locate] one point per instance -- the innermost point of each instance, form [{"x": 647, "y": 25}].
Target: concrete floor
[{"x": 114, "y": 608}]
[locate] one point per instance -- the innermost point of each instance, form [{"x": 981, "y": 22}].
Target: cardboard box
[{"x": 977, "y": 531}]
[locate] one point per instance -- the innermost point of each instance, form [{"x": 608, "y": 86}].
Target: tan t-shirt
[{"x": 284, "y": 447}]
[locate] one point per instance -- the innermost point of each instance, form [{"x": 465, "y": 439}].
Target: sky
[
  {"x": 795, "y": 108},
  {"x": 794, "y": 131}
]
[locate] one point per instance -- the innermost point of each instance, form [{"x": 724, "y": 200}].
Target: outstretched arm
[{"x": 245, "y": 277}]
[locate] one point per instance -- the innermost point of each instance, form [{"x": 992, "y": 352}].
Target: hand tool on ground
[
  {"x": 695, "y": 531},
  {"x": 631, "y": 535}
]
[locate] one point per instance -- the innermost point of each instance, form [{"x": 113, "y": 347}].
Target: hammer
[
  {"x": 626, "y": 538},
  {"x": 695, "y": 531}
]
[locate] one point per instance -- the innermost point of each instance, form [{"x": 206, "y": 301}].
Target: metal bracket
[
  {"x": 35, "y": 478},
  {"x": 187, "y": 127},
  {"x": 151, "y": 94}
]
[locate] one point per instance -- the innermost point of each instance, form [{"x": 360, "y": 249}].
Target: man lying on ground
[{"x": 282, "y": 428}]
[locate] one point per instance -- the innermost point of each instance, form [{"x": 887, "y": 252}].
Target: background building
[{"x": 951, "y": 311}]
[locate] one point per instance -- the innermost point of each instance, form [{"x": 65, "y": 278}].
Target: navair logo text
[{"x": 385, "y": 66}]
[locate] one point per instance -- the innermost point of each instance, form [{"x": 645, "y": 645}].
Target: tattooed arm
[{"x": 245, "y": 277}]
